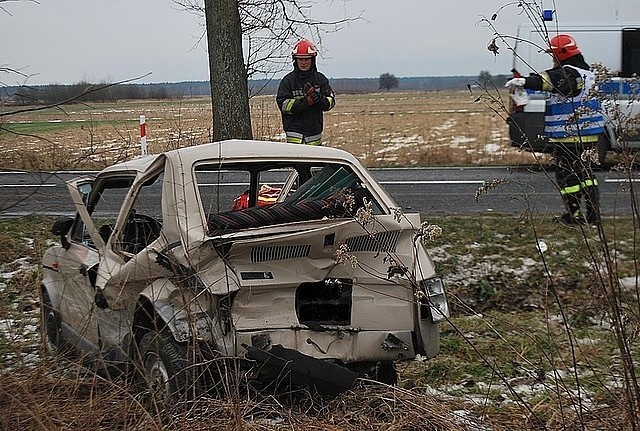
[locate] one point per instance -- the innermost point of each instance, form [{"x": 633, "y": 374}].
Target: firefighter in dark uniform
[
  {"x": 573, "y": 122},
  {"x": 303, "y": 96}
]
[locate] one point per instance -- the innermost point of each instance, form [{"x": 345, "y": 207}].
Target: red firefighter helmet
[
  {"x": 304, "y": 49},
  {"x": 563, "y": 46}
]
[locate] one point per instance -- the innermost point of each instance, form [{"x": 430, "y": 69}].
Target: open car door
[{"x": 77, "y": 265}]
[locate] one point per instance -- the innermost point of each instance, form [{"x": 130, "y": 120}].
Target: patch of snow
[
  {"x": 586, "y": 341},
  {"x": 630, "y": 282},
  {"x": 448, "y": 125},
  {"x": 457, "y": 140},
  {"x": 542, "y": 246},
  {"x": 464, "y": 417},
  {"x": 401, "y": 142},
  {"x": 492, "y": 148}
]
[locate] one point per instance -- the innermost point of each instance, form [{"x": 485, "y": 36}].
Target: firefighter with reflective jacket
[
  {"x": 303, "y": 96},
  {"x": 573, "y": 122}
]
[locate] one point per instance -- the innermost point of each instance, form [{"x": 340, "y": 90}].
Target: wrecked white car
[{"x": 289, "y": 261}]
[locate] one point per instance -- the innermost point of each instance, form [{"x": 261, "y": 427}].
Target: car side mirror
[{"x": 61, "y": 227}]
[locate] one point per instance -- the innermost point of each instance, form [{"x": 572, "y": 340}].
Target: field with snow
[{"x": 381, "y": 129}]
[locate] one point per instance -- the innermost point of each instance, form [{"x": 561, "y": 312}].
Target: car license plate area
[{"x": 327, "y": 302}]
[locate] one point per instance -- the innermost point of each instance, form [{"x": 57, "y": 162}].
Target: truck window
[{"x": 630, "y": 52}]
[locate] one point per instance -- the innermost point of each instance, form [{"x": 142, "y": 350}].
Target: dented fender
[{"x": 189, "y": 315}]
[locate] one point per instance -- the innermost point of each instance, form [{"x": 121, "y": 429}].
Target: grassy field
[
  {"x": 545, "y": 325},
  {"x": 381, "y": 129},
  {"x": 529, "y": 346}
]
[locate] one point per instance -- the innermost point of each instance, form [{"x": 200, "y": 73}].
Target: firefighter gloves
[
  {"x": 311, "y": 94},
  {"x": 515, "y": 82}
]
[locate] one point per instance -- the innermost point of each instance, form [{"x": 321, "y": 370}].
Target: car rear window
[{"x": 244, "y": 195}]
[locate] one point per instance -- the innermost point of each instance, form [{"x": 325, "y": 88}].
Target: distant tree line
[
  {"x": 57, "y": 93},
  {"x": 372, "y": 85}
]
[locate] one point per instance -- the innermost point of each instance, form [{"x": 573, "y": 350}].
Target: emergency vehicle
[{"x": 616, "y": 45}]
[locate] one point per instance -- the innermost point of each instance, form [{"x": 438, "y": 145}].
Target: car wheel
[
  {"x": 50, "y": 323},
  {"x": 164, "y": 366}
]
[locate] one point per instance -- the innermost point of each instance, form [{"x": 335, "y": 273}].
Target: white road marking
[
  {"x": 433, "y": 182},
  {"x": 27, "y": 185},
  {"x": 621, "y": 180}
]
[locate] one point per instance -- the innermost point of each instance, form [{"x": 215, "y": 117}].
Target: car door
[
  {"x": 99, "y": 222},
  {"x": 77, "y": 267},
  {"x": 123, "y": 218}
]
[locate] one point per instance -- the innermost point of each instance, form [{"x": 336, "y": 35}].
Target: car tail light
[{"x": 433, "y": 302}]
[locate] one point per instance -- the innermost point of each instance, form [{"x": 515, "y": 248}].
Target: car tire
[
  {"x": 50, "y": 324},
  {"x": 164, "y": 365}
]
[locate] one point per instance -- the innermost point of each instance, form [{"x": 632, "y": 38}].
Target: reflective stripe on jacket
[{"x": 299, "y": 138}]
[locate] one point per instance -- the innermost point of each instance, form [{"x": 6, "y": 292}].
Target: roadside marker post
[{"x": 143, "y": 135}]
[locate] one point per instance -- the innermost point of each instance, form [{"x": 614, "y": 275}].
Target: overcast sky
[{"x": 66, "y": 41}]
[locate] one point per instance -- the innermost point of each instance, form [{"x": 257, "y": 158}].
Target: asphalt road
[{"x": 436, "y": 191}]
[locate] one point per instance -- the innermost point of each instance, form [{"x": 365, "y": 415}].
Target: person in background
[
  {"x": 303, "y": 96},
  {"x": 573, "y": 123}
]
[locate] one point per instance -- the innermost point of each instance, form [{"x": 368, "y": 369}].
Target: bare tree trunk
[{"x": 228, "y": 76}]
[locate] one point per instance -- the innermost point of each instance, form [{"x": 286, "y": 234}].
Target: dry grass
[
  {"x": 45, "y": 400},
  {"x": 421, "y": 128},
  {"x": 381, "y": 129}
]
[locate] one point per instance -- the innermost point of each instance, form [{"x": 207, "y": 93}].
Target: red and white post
[{"x": 143, "y": 135}]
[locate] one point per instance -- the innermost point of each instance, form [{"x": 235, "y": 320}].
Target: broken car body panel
[{"x": 330, "y": 270}]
